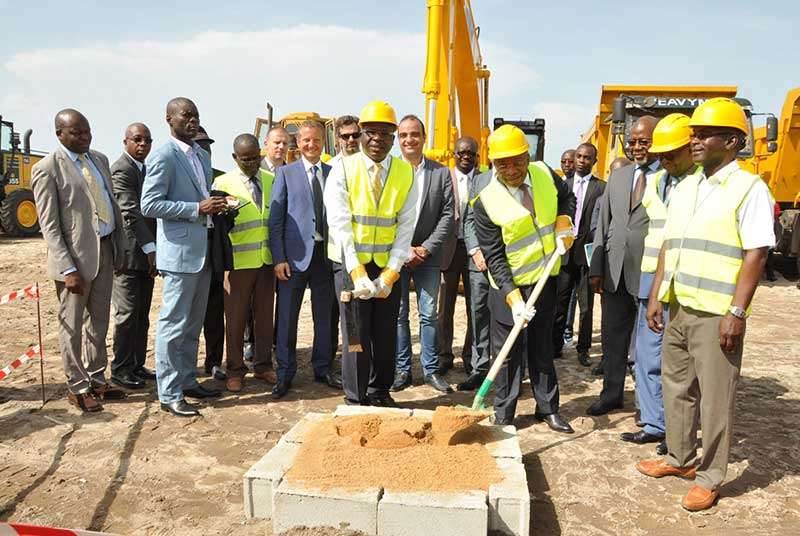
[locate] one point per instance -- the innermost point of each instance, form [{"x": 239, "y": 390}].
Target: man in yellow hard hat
[
  {"x": 521, "y": 218},
  {"x": 718, "y": 230},
  {"x": 371, "y": 198},
  {"x": 671, "y": 139}
]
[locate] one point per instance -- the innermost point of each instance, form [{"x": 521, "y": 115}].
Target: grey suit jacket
[
  {"x": 619, "y": 239},
  {"x": 435, "y": 220},
  {"x": 137, "y": 230},
  {"x": 68, "y": 218},
  {"x": 477, "y": 184}
]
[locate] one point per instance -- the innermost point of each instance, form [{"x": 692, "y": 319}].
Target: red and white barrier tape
[
  {"x": 31, "y": 292},
  {"x": 18, "y": 529},
  {"x": 32, "y": 352}
]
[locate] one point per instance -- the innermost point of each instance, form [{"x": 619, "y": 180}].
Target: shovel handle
[{"x": 349, "y": 295}]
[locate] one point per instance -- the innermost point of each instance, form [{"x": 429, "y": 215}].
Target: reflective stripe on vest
[
  {"x": 703, "y": 249},
  {"x": 374, "y": 227},
  {"x": 250, "y": 232},
  {"x": 527, "y": 242}
]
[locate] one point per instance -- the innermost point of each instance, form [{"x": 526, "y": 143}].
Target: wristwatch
[{"x": 738, "y": 312}]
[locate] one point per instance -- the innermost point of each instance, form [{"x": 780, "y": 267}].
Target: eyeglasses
[
  {"x": 372, "y": 134},
  {"x": 703, "y": 134},
  {"x": 350, "y": 136},
  {"x": 139, "y": 139},
  {"x": 465, "y": 154},
  {"x": 640, "y": 143}
]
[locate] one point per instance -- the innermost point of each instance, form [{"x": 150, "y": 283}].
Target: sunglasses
[
  {"x": 465, "y": 154},
  {"x": 372, "y": 134},
  {"x": 351, "y": 136},
  {"x": 640, "y": 143},
  {"x": 704, "y": 135}
]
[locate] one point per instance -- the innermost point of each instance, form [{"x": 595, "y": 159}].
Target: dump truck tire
[{"x": 18, "y": 214}]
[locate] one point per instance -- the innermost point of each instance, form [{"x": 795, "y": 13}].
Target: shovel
[{"x": 353, "y": 314}]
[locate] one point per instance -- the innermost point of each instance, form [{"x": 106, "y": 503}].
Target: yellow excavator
[
  {"x": 17, "y": 207},
  {"x": 291, "y": 123}
]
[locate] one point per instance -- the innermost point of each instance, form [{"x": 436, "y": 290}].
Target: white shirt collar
[
  {"x": 185, "y": 147},
  {"x": 385, "y": 163},
  {"x": 722, "y": 173},
  {"x": 460, "y": 174},
  {"x": 418, "y": 167},
  {"x": 139, "y": 165},
  {"x": 578, "y": 178},
  {"x": 244, "y": 178},
  {"x": 512, "y": 189},
  {"x": 72, "y": 156},
  {"x": 308, "y": 165}
]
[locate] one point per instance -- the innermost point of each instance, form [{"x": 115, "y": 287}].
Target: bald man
[
  {"x": 82, "y": 227},
  {"x": 617, "y": 259}
]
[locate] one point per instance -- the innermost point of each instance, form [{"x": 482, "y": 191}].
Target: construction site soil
[
  {"x": 396, "y": 454},
  {"x": 134, "y": 470}
]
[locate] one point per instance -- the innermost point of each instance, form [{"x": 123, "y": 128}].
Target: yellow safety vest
[
  {"x": 704, "y": 253},
  {"x": 374, "y": 226},
  {"x": 527, "y": 241},
  {"x": 250, "y": 233}
]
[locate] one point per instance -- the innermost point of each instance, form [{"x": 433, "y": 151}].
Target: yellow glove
[
  {"x": 384, "y": 282},
  {"x": 362, "y": 282},
  {"x": 564, "y": 232}
]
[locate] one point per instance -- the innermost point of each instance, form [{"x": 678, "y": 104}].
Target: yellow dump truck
[{"x": 17, "y": 207}]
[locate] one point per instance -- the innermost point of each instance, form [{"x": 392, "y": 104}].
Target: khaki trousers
[
  {"x": 697, "y": 374},
  {"x": 256, "y": 285},
  {"x": 83, "y": 325}
]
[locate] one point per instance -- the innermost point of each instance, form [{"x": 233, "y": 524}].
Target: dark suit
[
  {"x": 432, "y": 231},
  {"x": 575, "y": 272},
  {"x": 292, "y": 226},
  {"x": 133, "y": 285},
  {"x": 617, "y": 258},
  {"x": 535, "y": 342}
]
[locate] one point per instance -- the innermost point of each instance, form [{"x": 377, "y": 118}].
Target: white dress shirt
[
  {"x": 419, "y": 180},
  {"x": 579, "y": 186},
  {"x": 462, "y": 182},
  {"x": 340, "y": 224},
  {"x": 150, "y": 247},
  {"x": 516, "y": 192},
  {"x": 310, "y": 176},
  {"x": 194, "y": 160},
  {"x": 652, "y": 167}
]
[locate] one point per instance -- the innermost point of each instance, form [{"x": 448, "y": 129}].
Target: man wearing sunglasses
[
  {"x": 718, "y": 231},
  {"x": 617, "y": 259},
  {"x": 348, "y": 134}
]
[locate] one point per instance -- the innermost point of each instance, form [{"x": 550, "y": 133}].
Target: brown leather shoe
[
  {"x": 268, "y": 376},
  {"x": 658, "y": 468},
  {"x": 85, "y": 402},
  {"x": 699, "y": 498},
  {"x": 234, "y": 384},
  {"x": 106, "y": 392}
]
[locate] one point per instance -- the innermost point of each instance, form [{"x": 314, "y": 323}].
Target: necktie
[
  {"x": 638, "y": 189},
  {"x": 375, "y": 182},
  {"x": 527, "y": 200},
  {"x": 317, "y": 189},
  {"x": 579, "y": 205},
  {"x": 144, "y": 170},
  {"x": 255, "y": 190},
  {"x": 103, "y": 210}
]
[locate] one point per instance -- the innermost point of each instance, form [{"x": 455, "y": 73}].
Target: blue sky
[{"x": 120, "y": 62}]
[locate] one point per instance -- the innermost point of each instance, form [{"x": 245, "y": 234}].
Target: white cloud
[
  {"x": 564, "y": 124},
  {"x": 329, "y": 69}
]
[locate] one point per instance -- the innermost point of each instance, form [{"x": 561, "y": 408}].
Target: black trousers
[
  {"x": 131, "y": 295},
  {"x": 371, "y": 371},
  {"x": 214, "y": 323},
  {"x": 534, "y": 346},
  {"x": 619, "y": 317},
  {"x": 448, "y": 294},
  {"x": 573, "y": 276}
]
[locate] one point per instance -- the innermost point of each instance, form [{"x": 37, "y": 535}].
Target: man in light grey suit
[
  {"x": 176, "y": 191},
  {"x": 617, "y": 258},
  {"x": 431, "y": 232},
  {"x": 81, "y": 224}
]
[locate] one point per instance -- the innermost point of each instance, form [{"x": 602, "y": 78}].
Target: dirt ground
[{"x": 135, "y": 470}]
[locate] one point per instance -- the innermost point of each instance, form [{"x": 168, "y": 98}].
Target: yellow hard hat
[
  {"x": 507, "y": 141},
  {"x": 672, "y": 132},
  {"x": 378, "y": 112},
  {"x": 325, "y": 157},
  {"x": 719, "y": 112}
]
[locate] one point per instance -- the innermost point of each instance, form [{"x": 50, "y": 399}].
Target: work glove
[
  {"x": 519, "y": 310},
  {"x": 565, "y": 237},
  {"x": 361, "y": 281},
  {"x": 384, "y": 282}
]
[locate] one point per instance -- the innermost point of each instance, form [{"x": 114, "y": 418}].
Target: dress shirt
[
  {"x": 150, "y": 247},
  {"x": 194, "y": 160},
  {"x": 266, "y": 165},
  {"x": 579, "y": 185},
  {"x": 340, "y": 223},
  {"x": 310, "y": 175},
  {"x": 516, "y": 192},
  {"x": 462, "y": 182},
  {"x": 652, "y": 167},
  {"x": 419, "y": 180},
  {"x": 754, "y": 217}
]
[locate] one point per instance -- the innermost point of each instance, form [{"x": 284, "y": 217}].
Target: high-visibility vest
[
  {"x": 250, "y": 233},
  {"x": 703, "y": 254},
  {"x": 374, "y": 226},
  {"x": 528, "y": 241}
]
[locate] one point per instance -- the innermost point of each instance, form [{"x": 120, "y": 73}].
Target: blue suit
[
  {"x": 292, "y": 227},
  {"x": 171, "y": 193}
]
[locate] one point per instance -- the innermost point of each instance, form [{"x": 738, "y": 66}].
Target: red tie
[{"x": 527, "y": 200}]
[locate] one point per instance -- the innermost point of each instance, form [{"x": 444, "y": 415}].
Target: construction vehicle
[
  {"x": 18, "y": 215},
  {"x": 456, "y": 86},
  {"x": 621, "y": 106},
  {"x": 291, "y": 123}
]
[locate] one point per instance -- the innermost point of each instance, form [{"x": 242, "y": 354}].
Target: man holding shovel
[{"x": 522, "y": 217}]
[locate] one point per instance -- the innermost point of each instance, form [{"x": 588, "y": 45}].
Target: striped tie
[
  {"x": 103, "y": 210},
  {"x": 375, "y": 182}
]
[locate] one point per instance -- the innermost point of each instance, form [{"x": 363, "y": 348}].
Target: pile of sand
[{"x": 396, "y": 453}]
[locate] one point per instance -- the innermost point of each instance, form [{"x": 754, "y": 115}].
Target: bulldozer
[
  {"x": 291, "y": 123},
  {"x": 18, "y": 215}
]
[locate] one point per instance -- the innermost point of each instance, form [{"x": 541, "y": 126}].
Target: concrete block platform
[
  {"x": 297, "y": 432},
  {"x": 505, "y": 443},
  {"x": 262, "y": 479},
  {"x": 510, "y": 501},
  {"x": 443, "y": 514},
  {"x": 354, "y": 510}
]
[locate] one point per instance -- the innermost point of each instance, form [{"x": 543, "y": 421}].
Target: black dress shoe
[
  {"x": 401, "y": 381},
  {"x": 583, "y": 359},
  {"x": 281, "y": 389},
  {"x": 128, "y": 382},
  {"x": 330, "y": 379},
  {"x": 382, "y": 401},
  {"x": 202, "y": 392},
  {"x": 438, "y": 383},
  {"x": 640, "y": 438},
  {"x": 466, "y": 360},
  {"x": 555, "y": 422},
  {"x": 445, "y": 364},
  {"x": 661, "y": 449},
  {"x": 471, "y": 383},
  {"x": 601, "y": 408},
  {"x": 144, "y": 373},
  {"x": 598, "y": 370},
  {"x": 181, "y": 408}
]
